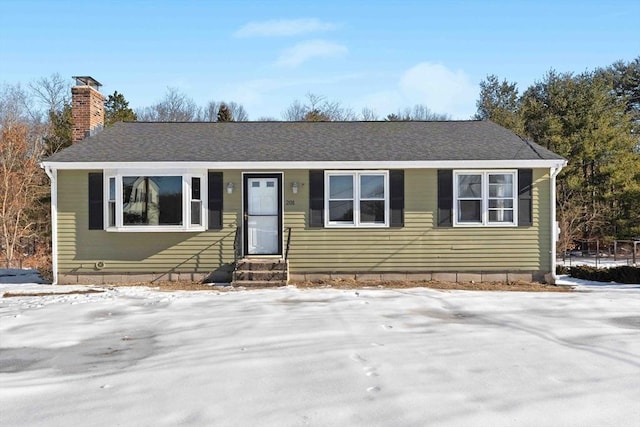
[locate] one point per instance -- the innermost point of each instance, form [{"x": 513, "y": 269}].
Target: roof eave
[{"x": 349, "y": 164}]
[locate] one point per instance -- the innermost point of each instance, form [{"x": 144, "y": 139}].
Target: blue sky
[{"x": 383, "y": 55}]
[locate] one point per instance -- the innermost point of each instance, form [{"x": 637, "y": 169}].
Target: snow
[
  {"x": 319, "y": 357},
  {"x": 592, "y": 262},
  {"x": 592, "y": 285}
]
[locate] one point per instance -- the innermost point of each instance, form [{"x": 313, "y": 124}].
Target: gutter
[
  {"x": 53, "y": 176},
  {"x": 554, "y": 171}
]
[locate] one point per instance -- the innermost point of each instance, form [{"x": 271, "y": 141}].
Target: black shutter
[
  {"x": 396, "y": 197},
  {"x": 215, "y": 189},
  {"x": 445, "y": 198},
  {"x": 96, "y": 200},
  {"x": 525, "y": 197},
  {"x": 316, "y": 198}
]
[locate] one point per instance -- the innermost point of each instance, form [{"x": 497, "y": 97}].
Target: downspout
[
  {"x": 554, "y": 229},
  {"x": 53, "y": 176}
]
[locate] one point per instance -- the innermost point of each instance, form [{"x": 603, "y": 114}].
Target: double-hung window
[
  {"x": 357, "y": 199},
  {"x": 154, "y": 201},
  {"x": 485, "y": 198}
]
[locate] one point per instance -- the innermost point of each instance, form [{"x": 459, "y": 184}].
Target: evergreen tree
[
  {"x": 60, "y": 132},
  {"x": 316, "y": 115},
  {"x": 580, "y": 118},
  {"x": 626, "y": 83},
  {"x": 224, "y": 113},
  {"x": 393, "y": 117},
  {"x": 116, "y": 109},
  {"x": 500, "y": 103}
]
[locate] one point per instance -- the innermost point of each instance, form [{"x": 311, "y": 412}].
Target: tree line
[{"x": 591, "y": 118}]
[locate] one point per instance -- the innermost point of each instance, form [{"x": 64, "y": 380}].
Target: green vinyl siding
[
  {"x": 419, "y": 246},
  {"x": 143, "y": 252}
]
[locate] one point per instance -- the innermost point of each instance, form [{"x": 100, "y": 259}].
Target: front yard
[{"x": 290, "y": 357}]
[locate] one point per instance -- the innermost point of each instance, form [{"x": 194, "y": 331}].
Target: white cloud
[
  {"x": 432, "y": 84},
  {"x": 440, "y": 89},
  {"x": 269, "y": 97},
  {"x": 284, "y": 27},
  {"x": 304, "y": 51}
]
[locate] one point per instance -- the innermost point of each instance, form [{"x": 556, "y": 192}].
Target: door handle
[{"x": 246, "y": 216}]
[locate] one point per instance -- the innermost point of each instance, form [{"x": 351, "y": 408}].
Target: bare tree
[
  {"x": 418, "y": 112},
  {"x": 17, "y": 106},
  {"x": 295, "y": 112},
  {"x": 237, "y": 111},
  {"x": 368, "y": 115},
  {"x": 52, "y": 92},
  {"x": 317, "y": 108},
  {"x": 575, "y": 219},
  {"x": 19, "y": 176},
  {"x": 174, "y": 107},
  {"x": 210, "y": 112}
]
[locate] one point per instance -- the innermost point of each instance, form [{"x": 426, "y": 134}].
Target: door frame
[{"x": 244, "y": 217}]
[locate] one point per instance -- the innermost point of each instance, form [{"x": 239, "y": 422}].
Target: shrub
[
  {"x": 562, "y": 269},
  {"x": 626, "y": 274},
  {"x": 622, "y": 274}
]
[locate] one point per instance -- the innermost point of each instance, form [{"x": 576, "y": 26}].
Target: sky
[
  {"x": 138, "y": 356},
  {"x": 373, "y": 54}
]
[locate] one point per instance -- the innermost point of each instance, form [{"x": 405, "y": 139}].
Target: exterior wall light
[
  {"x": 294, "y": 187},
  {"x": 229, "y": 187}
]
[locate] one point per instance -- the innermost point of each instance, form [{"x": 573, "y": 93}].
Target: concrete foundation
[{"x": 225, "y": 277}]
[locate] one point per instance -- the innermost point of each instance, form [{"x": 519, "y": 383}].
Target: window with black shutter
[
  {"x": 96, "y": 211},
  {"x": 316, "y": 198},
  {"x": 396, "y": 196},
  {"x": 525, "y": 197},
  {"x": 445, "y": 198},
  {"x": 215, "y": 200}
]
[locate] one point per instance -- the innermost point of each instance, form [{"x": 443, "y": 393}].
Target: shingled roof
[{"x": 302, "y": 142}]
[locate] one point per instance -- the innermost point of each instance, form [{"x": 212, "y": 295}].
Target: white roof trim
[{"x": 418, "y": 164}]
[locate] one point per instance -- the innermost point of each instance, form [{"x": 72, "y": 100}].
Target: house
[{"x": 451, "y": 200}]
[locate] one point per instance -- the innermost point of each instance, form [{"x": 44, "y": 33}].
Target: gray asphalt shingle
[{"x": 302, "y": 141}]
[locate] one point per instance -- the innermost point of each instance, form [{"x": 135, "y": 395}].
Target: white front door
[{"x": 262, "y": 217}]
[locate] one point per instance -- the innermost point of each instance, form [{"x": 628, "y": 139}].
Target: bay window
[
  {"x": 154, "y": 201},
  {"x": 356, "y": 199},
  {"x": 485, "y": 198}
]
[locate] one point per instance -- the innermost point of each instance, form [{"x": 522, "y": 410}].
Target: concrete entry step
[
  {"x": 259, "y": 283},
  {"x": 262, "y": 264},
  {"x": 263, "y": 275},
  {"x": 260, "y": 272}
]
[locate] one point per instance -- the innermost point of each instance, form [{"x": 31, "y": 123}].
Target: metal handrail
[
  {"x": 236, "y": 245},
  {"x": 286, "y": 253}
]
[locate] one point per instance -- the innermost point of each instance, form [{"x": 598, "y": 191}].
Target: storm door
[{"x": 262, "y": 214}]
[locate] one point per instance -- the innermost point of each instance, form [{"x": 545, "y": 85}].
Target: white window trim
[
  {"x": 356, "y": 199},
  {"x": 186, "y": 175},
  {"x": 484, "y": 203}
]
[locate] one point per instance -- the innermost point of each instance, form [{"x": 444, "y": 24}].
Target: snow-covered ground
[
  {"x": 320, "y": 357},
  {"x": 593, "y": 262}
]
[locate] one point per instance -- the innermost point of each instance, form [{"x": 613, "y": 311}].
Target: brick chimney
[{"x": 87, "y": 107}]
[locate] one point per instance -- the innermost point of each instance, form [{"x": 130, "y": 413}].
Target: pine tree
[
  {"x": 60, "y": 133},
  {"x": 581, "y": 118},
  {"x": 500, "y": 103},
  {"x": 224, "y": 113},
  {"x": 116, "y": 109}
]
